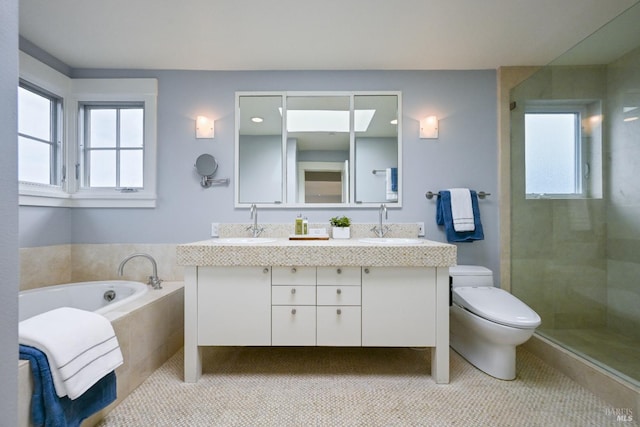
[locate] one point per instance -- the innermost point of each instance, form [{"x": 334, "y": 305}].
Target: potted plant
[{"x": 340, "y": 227}]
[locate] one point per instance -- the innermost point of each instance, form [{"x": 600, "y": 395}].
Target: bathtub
[{"x": 99, "y": 296}]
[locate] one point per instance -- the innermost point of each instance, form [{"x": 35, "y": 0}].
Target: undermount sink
[
  {"x": 246, "y": 240},
  {"x": 391, "y": 241}
]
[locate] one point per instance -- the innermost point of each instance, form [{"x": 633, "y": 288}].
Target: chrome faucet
[
  {"x": 154, "y": 281},
  {"x": 255, "y": 230},
  {"x": 381, "y": 229}
]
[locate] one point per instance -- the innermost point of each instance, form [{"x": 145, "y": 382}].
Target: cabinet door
[
  {"x": 398, "y": 307},
  {"x": 294, "y": 325},
  {"x": 339, "y": 326},
  {"x": 234, "y": 306}
]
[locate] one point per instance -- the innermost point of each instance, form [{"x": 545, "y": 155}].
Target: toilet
[{"x": 487, "y": 323}]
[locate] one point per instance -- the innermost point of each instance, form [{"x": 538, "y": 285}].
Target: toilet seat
[{"x": 496, "y": 305}]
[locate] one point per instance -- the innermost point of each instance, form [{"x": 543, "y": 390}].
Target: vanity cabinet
[{"x": 245, "y": 296}]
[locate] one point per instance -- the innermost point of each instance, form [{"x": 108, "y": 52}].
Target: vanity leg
[
  {"x": 440, "y": 354},
  {"x": 192, "y": 353}
]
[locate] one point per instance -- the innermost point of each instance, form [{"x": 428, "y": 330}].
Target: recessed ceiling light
[
  {"x": 257, "y": 119},
  {"x": 394, "y": 122}
]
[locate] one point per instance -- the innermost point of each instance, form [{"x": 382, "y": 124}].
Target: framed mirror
[{"x": 318, "y": 149}]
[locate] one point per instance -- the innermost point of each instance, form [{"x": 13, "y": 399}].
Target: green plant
[{"x": 341, "y": 221}]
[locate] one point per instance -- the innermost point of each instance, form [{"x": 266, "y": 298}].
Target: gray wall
[
  {"x": 8, "y": 213},
  {"x": 465, "y": 155}
]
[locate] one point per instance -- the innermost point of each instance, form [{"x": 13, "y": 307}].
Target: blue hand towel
[
  {"x": 445, "y": 218},
  {"x": 49, "y": 410}
]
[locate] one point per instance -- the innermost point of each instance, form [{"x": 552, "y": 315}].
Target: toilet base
[
  {"x": 488, "y": 346},
  {"x": 499, "y": 362}
]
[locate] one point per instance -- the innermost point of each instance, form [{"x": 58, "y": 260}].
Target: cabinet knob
[
  {"x": 366, "y": 271},
  {"x": 293, "y": 270},
  {"x": 265, "y": 270},
  {"x": 339, "y": 291},
  {"x": 293, "y": 311},
  {"x": 293, "y": 290},
  {"x": 338, "y": 312},
  {"x": 339, "y": 271}
]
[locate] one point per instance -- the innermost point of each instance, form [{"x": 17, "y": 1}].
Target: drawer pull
[
  {"x": 265, "y": 270},
  {"x": 293, "y": 270},
  {"x": 339, "y": 291},
  {"x": 293, "y": 291},
  {"x": 366, "y": 270},
  {"x": 339, "y": 271},
  {"x": 338, "y": 312},
  {"x": 293, "y": 311}
]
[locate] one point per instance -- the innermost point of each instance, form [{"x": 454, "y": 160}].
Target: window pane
[
  {"x": 102, "y": 166},
  {"x": 550, "y": 153},
  {"x": 34, "y": 161},
  {"x": 131, "y": 127},
  {"x": 131, "y": 168},
  {"x": 102, "y": 126},
  {"x": 34, "y": 114}
]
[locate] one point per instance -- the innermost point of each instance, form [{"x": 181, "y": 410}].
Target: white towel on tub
[
  {"x": 461, "y": 210},
  {"x": 81, "y": 347}
]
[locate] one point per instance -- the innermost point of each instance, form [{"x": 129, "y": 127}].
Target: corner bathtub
[{"x": 99, "y": 296}]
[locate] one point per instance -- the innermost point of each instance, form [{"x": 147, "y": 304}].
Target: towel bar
[
  {"x": 375, "y": 171},
  {"x": 429, "y": 194}
]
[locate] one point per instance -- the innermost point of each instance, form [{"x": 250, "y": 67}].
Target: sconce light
[
  {"x": 204, "y": 128},
  {"x": 429, "y": 128}
]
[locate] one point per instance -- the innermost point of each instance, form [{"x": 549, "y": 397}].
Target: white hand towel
[
  {"x": 461, "y": 210},
  {"x": 81, "y": 347}
]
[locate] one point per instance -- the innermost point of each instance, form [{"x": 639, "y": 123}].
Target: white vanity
[{"x": 278, "y": 292}]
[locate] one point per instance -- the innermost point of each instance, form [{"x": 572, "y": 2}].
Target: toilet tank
[{"x": 470, "y": 275}]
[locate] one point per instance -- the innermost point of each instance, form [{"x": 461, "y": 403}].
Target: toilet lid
[{"x": 496, "y": 305}]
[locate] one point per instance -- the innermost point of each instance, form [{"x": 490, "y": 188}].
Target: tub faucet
[
  {"x": 255, "y": 230},
  {"x": 154, "y": 280},
  {"x": 380, "y": 230}
]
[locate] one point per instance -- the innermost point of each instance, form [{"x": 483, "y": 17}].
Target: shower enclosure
[{"x": 575, "y": 197}]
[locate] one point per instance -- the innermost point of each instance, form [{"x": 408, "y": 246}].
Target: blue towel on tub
[
  {"x": 49, "y": 410},
  {"x": 445, "y": 218}
]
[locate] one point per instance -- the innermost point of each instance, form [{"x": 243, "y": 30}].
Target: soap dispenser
[
  {"x": 299, "y": 226},
  {"x": 305, "y": 226}
]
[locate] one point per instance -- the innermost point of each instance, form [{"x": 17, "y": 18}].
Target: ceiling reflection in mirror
[{"x": 317, "y": 149}]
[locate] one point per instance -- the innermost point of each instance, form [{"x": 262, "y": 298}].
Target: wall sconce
[
  {"x": 204, "y": 128},
  {"x": 429, "y": 128}
]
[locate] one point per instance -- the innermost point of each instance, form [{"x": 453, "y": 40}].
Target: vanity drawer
[
  {"x": 338, "y": 295},
  {"x": 293, "y": 325},
  {"x": 339, "y": 326},
  {"x": 293, "y": 295},
  {"x": 339, "y": 276},
  {"x": 305, "y": 276}
]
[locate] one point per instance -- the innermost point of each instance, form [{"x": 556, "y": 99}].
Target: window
[
  {"x": 553, "y": 153},
  {"x": 113, "y": 149},
  {"x": 108, "y": 141},
  {"x": 39, "y": 136}
]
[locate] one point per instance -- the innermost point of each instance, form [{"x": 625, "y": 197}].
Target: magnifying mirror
[{"x": 206, "y": 166}]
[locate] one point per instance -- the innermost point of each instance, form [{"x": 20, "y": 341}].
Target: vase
[{"x": 341, "y": 232}]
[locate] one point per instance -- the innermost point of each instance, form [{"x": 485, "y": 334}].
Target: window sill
[{"x": 55, "y": 197}]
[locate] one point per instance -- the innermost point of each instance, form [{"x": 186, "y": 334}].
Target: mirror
[
  {"x": 206, "y": 166},
  {"x": 317, "y": 149}
]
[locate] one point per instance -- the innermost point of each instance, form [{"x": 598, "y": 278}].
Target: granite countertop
[{"x": 333, "y": 252}]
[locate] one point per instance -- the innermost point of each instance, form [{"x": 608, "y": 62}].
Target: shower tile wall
[
  {"x": 558, "y": 246},
  {"x": 623, "y": 240}
]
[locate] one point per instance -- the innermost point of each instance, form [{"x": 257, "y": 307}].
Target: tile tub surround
[
  {"x": 342, "y": 252},
  {"x": 53, "y": 265},
  {"x": 149, "y": 330}
]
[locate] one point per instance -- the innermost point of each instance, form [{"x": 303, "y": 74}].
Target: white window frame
[
  {"x": 75, "y": 92},
  {"x": 580, "y": 112}
]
